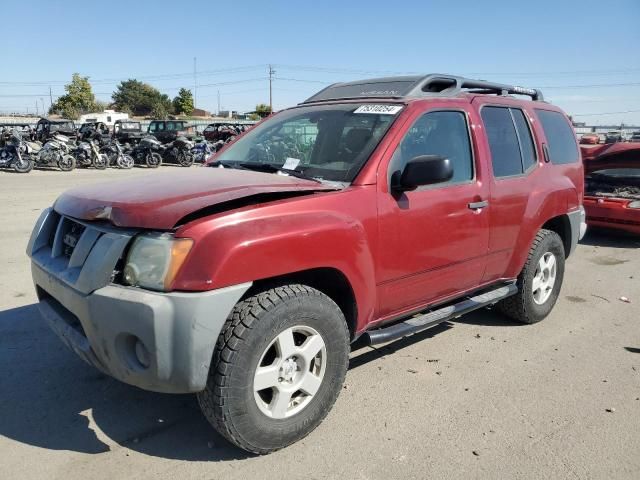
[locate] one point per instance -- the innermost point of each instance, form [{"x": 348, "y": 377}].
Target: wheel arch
[
  {"x": 562, "y": 226},
  {"x": 330, "y": 281}
]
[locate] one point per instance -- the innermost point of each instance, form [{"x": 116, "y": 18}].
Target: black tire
[
  {"x": 185, "y": 159},
  {"x": 522, "y": 307},
  {"x": 66, "y": 163},
  {"x": 154, "y": 160},
  {"x": 125, "y": 161},
  {"x": 228, "y": 400},
  {"x": 101, "y": 161},
  {"x": 23, "y": 167}
]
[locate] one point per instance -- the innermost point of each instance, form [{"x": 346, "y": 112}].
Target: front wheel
[
  {"x": 101, "y": 161},
  {"x": 278, "y": 367},
  {"x": 539, "y": 282},
  {"x": 154, "y": 160},
  {"x": 66, "y": 163},
  {"x": 25, "y": 165}
]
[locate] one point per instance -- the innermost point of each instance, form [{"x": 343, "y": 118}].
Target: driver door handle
[{"x": 478, "y": 205}]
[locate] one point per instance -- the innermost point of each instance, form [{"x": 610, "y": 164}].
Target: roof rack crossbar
[
  {"x": 433, "y": 85},
  {"x": 450, "y": 84}
]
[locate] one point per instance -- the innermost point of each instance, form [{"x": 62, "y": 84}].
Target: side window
[
  {"x": 438, "y": 133},
  {"x": 510, "y": 154},
  {"x": 152, "y": 127},
  {"x": 524, "y": 135},
  {"x": 560, "y": 137}
]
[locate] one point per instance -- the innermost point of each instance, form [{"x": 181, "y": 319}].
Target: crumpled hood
[
  {"x": 160, "y": 200},
  {"x": 614, "y": 155}
]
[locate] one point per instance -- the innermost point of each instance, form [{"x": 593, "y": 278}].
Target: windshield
[
  {"x": 66, "y": 126},
  {"x": 327, "y": 142}
]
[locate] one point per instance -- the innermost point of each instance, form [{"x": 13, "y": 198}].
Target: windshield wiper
[
  {"x": 262, "y": 167},
  {"x": 227, "y": 164},
  {"x": 271, "y": 168}
]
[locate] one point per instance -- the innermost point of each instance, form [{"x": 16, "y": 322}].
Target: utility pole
[
  {"x": 50, "y": 97},
  {"x": 195, "y": 84},
  {"x": 44, "y": 112},
  {"x": 218, "y": 112},
  {"x": 271, "y": 73},
  {"x": 36, "y": 107}
]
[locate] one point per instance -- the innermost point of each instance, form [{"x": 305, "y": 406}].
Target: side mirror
[{"x": 422, "y": 170}]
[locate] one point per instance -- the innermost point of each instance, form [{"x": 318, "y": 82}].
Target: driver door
[{"x": 433, "y": 240}]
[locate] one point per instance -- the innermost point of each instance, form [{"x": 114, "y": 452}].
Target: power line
[
  {"x": 166, "y": 76},
  {"x": 602, "y": 85},
  {"x": 603, "y": 113}
]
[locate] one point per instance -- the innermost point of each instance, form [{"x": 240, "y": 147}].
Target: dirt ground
[{"x": 477, "y": 398}]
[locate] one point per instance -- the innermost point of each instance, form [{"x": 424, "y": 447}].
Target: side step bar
[{"x": 422, "y": 322}]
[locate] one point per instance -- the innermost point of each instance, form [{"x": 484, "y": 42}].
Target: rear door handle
[{"x": 478, "y": 205}]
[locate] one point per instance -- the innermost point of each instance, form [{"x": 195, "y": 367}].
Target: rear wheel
[
  {"x": 539, "y": 282},
  {"x": 154, "y": 160},
  {"x": 277, "y": 369},
  {"x": 185, "y": 159},
  {"x": 125, "y": 161},
  {"x": 66, "y": 163}
]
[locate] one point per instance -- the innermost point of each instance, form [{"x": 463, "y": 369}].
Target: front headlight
[
  {"x": 634, "y": 204},
  {"x": 154, "y": 260}
]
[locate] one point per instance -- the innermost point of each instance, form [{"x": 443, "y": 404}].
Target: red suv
[{"x": 371, "y": 211}]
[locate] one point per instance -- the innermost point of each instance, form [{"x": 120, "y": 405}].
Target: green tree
[
  {"x": 183, "y": 103},
  {"x": 141, "y": 99},
  {"x": 263, "y": 110},
  {"x": 79, "y": 99}
]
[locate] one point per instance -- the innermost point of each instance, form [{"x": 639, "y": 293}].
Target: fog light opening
[{"x": 142, "y": 354}]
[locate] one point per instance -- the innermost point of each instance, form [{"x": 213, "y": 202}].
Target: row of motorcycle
[{"x": 20, "y": 153}]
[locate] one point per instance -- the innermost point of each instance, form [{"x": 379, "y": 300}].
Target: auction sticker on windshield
[{"x": 379, "y": 109}]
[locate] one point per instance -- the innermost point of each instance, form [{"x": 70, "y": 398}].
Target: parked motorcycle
[
  {"x": 54, "y": 153},
  {"x": 87, "y": 154},
  {"x": 148, "y": 152},
  {"x": 117, "y": 156},
  {"x": 15, "y": 154},
  {"x": 179, "y": 151},
  {"x": 201, "y": 151}
]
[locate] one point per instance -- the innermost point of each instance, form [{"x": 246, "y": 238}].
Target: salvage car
[
  {"x": 373, "y": 210},
  {"x": 127, "y": 131},
  {"x": 590, "y": 139},
  {"x": 612, "y": 187},
  {"x": 614, "y": 136},
  {"x": 49, "y": 126},
  {"x": 166, "y": 131}
]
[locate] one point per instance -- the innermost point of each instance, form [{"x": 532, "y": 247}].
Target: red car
[
  {"x": 373, "y": 210},
  {"x": 590, "y": 139},
  {"x": 612, "y": 186}
]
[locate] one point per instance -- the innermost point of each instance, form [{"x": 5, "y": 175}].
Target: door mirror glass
[{"x": 423, "y": 170}]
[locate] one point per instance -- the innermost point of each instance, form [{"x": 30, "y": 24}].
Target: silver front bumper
[{"x": 157, "y": 341}]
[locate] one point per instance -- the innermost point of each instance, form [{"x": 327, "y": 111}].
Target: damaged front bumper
[{"x": 157, "y": 341}]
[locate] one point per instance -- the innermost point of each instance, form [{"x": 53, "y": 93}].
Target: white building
[{"x": 108, "y": 117}]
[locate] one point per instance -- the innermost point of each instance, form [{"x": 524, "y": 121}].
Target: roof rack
[{"x": 432, "y": 85}]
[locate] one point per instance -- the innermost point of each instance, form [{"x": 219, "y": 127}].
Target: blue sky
[{"x": 585, "y": 55}]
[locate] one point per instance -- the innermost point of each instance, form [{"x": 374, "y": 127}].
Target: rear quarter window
[{"x": 561, "y": 141}]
